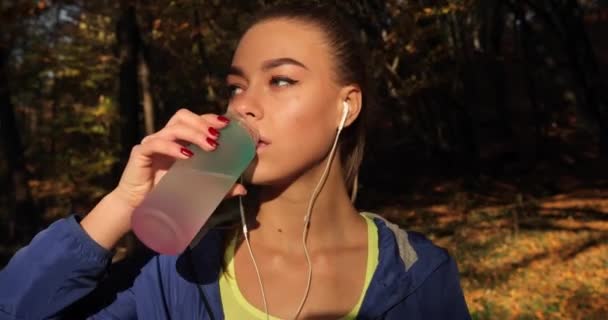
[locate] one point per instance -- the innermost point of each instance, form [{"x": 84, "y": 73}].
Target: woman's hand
[
  {"x": 151, "y": 159},
  {"x": 148, "y": 162}
]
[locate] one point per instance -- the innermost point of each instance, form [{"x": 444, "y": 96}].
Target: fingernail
[
  {"x": 212, "y": 142},
  {"x": 186, "y": 152},
  {"x": 214, "y": 132},
  {"x": 223, "y": 119}
]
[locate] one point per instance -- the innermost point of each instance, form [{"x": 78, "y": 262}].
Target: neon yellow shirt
[{"x": 237, "y": 307}]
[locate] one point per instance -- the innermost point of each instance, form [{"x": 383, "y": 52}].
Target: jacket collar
[{"x": 406, "y": 259}]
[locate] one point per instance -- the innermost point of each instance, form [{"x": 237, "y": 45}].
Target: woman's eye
[
  {"x": 282, "y": 82},
  {"x": 233, "y": 90}
]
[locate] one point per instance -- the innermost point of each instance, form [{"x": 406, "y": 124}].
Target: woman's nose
[{"x": 247, "y": 107}]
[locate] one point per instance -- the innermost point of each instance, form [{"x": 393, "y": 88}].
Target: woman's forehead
[{"x": 282, "y": 38}]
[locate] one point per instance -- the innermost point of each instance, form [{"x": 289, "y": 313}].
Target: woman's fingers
[
  {"x": 152, "y": 145},
  {"x": 200, "y": 130},
  {"x": 158, "y": 145},
  {"x": 237, "y": 190},
  {"x": 192, "y": 119},
  {"x": 183, "y": 128},
  {"x": 215, "y": 120},
  {"x": 185, "y": 116},
  {"x": 205, "y": 138}
]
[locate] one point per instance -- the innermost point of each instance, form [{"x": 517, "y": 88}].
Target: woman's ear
[{"x": 351, "y": 95}]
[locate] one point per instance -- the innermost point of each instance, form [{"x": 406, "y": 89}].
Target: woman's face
[{"x": 282, "y": 79}]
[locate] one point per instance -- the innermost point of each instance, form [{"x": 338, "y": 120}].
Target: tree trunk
[
  {"x": 24, "y": 221},
  {"x": 496, "y": 24},
  {"x": 129, "y": 41},
  {"x": 585, "y": 67},
  {"x": 204, "y": 70},
  {"x": 148, "y": 101},
  {"x": 466, "y": 123},
  {"x": 523, "y": 31}
]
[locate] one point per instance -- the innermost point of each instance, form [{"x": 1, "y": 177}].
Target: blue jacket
[{"x": 62, "y": 266}]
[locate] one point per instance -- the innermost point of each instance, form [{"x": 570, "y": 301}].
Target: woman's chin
[
  {"x": 259, "y": 178},
  {"x": 253, "y": 176},
  {"x": 256, "y": 180},
  {"x": 258, "y": 174}
]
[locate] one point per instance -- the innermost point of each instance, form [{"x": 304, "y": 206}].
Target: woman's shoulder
[
  {"x": 412, "y": 246},
  {"x": 408, "y": 262}
]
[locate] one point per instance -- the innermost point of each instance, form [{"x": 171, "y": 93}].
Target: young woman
[{"x": 298, "y": 75}]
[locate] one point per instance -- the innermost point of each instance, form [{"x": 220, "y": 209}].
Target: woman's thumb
[{"x": 237, "y": 190}]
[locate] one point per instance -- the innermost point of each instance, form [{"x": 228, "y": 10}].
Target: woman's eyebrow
[
  {"x": 273, "y": 63},
  {"x": 236, "y": 71},
  {"x": 267, "y": 65}
]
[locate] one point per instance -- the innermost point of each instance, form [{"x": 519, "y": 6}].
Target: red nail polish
[
  {"x": 223, "y": 119},
  {"x": 186, "y": 152},
  {"x": 214, "y": 132},
  {"x": 212, "y": 142}
]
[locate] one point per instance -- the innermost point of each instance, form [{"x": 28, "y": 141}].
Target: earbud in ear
[{"x": 345, "y": 111}]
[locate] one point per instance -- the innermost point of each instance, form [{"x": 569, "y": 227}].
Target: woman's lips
[{"x": 261, "y": 145}]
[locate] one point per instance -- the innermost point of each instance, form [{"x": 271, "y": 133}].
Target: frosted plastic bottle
[{"x": 172, "y": 214}]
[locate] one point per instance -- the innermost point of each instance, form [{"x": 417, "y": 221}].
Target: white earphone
[{"x": 345, "y": 110}]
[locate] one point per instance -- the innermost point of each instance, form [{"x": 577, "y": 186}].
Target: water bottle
[{"x": 172, "y": 214}]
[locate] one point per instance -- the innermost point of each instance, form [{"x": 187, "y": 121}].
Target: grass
[{"x": 554, "y": 267}]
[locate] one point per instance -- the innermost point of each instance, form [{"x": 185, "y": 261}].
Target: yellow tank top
[{"x": 235, "y": 305}]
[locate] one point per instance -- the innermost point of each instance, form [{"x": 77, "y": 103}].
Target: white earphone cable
[
  {"x": 255, "y": 265},
  {"x": 314, "y": 196}
]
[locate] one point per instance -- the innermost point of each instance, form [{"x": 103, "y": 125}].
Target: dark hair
[{"x": 349, "y": 56}]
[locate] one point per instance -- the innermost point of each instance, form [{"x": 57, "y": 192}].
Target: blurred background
[{"x": 491, "y": 135}]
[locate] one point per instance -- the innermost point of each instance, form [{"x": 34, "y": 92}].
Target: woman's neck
[{"x": 281, "y": 212}]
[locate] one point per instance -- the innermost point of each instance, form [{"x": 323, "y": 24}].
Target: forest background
[{"x": 491, "y": 135}]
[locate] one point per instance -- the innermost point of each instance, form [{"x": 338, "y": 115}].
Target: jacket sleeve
[
  {"x": 60, "y": 266},
  {"x": 441, "y": 295}
]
